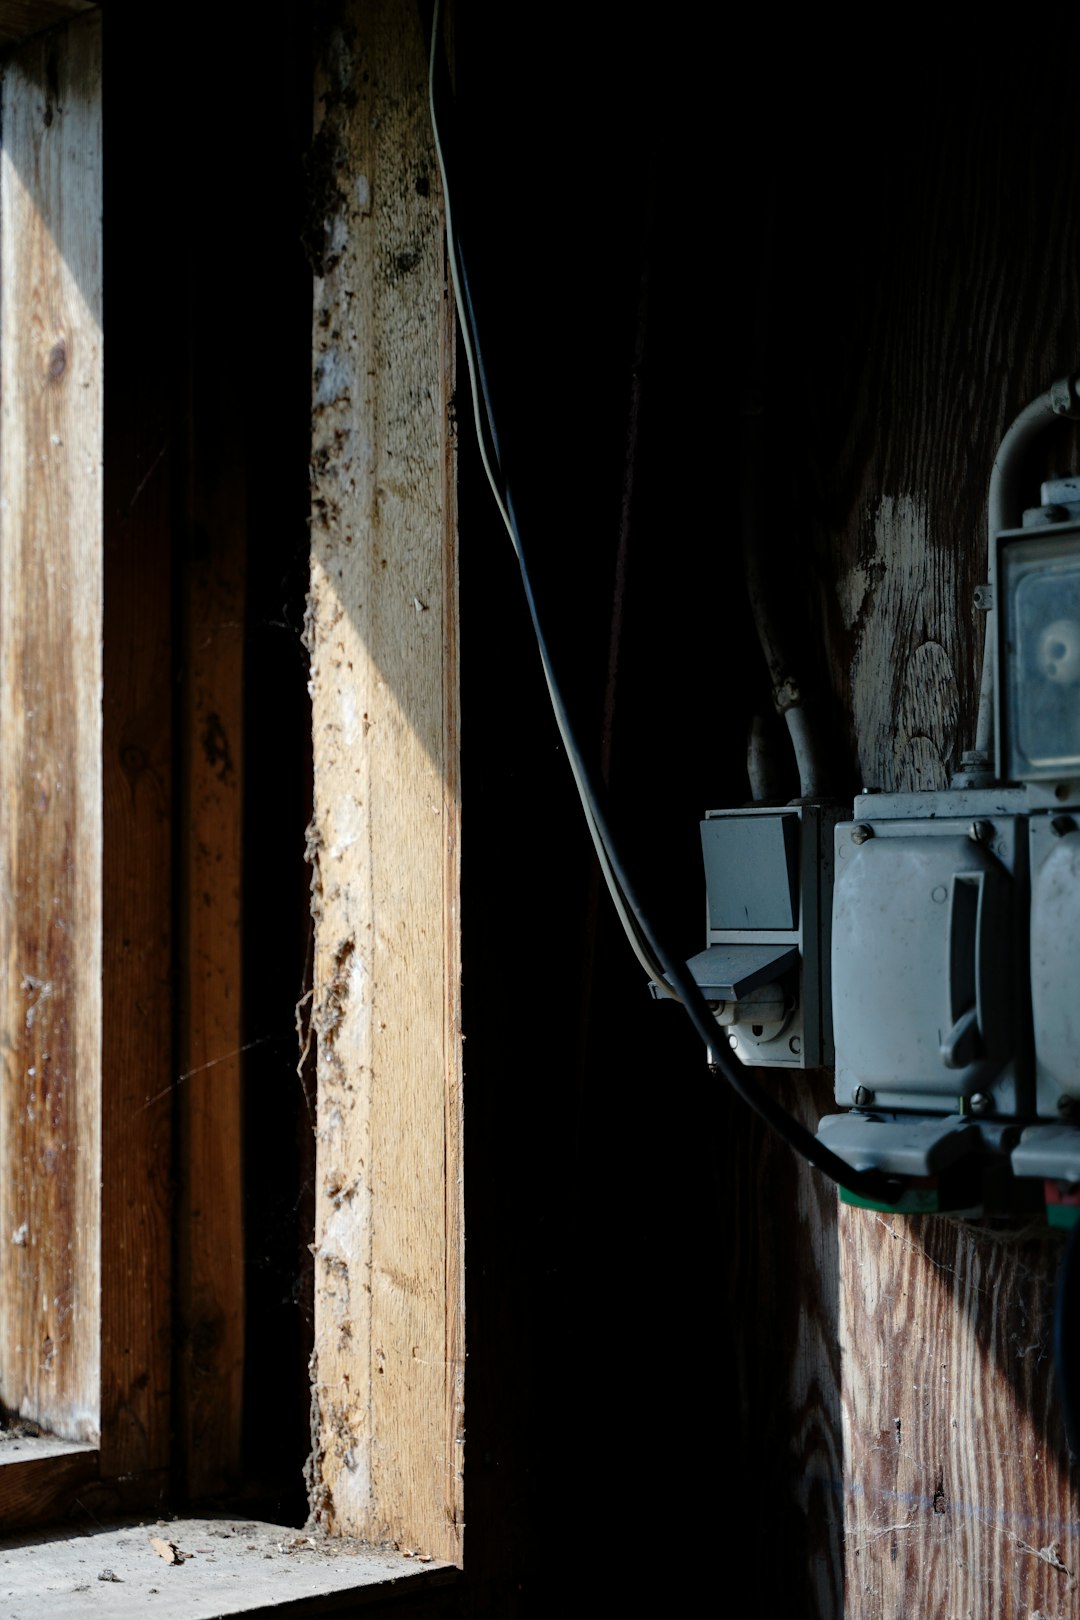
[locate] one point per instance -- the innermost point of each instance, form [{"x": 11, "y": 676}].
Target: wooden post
[
  {"x": 210, "y": 1251},
  {"x": 384, "y": 839},
  {"x": 141, "y": 459},
  {"x": 51, "y": 731},
  {"x": 957, "y": 1498},
  {"x": 955, "y": 1489}
]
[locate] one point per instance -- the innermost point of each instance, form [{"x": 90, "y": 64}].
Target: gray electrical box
[
  {"x": 930, "y": 945},
  {"x": 768, "y": 879},
  {"x": 1054, "y": 842},
  {"x": 956, "y": 916},
  {"x": 926, "y": 962}
]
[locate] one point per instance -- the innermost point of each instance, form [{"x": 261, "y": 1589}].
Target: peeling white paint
[
  {"x": 851, "y": 593},
  {"x": 348, "y": 825},
  {"x": 337, "y": 235},
  {"x": 904, "y": 709},
  {"x": 331, "y": 1124},
  {"x": 333, "y": 375},
  {"x": 346, "y": 1232},
  {"x": 357, "y": 983},
  {"x": 351, "y": 1489},
  {"x": 350, "y": 717},
  {"x": 41, "y": 989}
]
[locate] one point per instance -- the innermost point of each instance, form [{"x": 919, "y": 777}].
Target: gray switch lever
[{"x": 963, "y": 1044}]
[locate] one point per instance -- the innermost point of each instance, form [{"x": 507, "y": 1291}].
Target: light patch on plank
[
  {"x": 352, "y": 1486},
  {"x": 349, "y": 825},
  {"x": 852, "y": 590},
  {"x": 926, "y": 720},
  {"x": 896, "y": 596},
  {"x": 333, "y": 377},
  {"x": 350, "y": 717},
  {"x": 346, "y": 1234}
]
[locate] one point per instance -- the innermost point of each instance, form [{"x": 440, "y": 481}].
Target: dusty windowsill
[
  {"x": 21, "y": 1446},
  {"x": 226, "y": 1567}
]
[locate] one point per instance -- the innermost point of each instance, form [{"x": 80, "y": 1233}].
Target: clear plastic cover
[{"x": 1040, "y": 712}]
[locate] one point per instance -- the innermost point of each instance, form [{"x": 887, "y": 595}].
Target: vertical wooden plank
[
  {"x": 387, "y": 1424},
  {"x": 450, "y": 1480},
  {"x": 941, "y": 324},
  {"x": 137, "y": 909},
  {"x": 957, "y": 1483},
  {"x": 209, "y": 1099},
  {"x": 141, "y": 455},
  {"x": 50, "y": 729},
  {"x": 957, "y": 1494}
]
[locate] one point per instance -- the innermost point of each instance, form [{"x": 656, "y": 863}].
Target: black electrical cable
[{"x": 872, "y": 1184}]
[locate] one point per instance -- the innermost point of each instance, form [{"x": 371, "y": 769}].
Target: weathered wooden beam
[
  {"x": 40, "y": 1479},
  {"x": 209, "y": 1097},
  {"x": 384, "y": 839},
  {"x": 141, "y": 458},
  {"x": 957, "y": 1495},
  {"x": 956, "y": 1488},
  {"x": 20, "y": 18},
  {"x": 51, "y": 730}
]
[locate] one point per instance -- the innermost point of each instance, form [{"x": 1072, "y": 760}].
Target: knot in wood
[{"x": 57, "y": 361}]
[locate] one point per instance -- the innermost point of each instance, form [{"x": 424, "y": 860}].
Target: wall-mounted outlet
[{"x": 768, "y": 879}]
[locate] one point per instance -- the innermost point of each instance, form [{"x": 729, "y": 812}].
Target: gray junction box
[
  {"x": 927, "y": 960},
  {"x": 768, "y": 877},
  {"x": 956, "y": 977}
]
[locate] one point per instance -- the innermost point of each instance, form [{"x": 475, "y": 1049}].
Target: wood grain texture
[
  {"x": 209, "y": 1098},
  {"x": 137, "y": 1031},
  {"x": 243, "y": 1568},
  {"x": 384, "y": 838},
  {"x": 51, "y": 729},
  {"x": 19, "y": 18},
  {"x": 956, "y": 1484},
  {"x": 41, "y": 1485},
  {"x": 782, "y": 1407},
  {"x": 938, "y": 319}
]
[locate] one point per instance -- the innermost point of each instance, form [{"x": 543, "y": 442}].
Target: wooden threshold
[{"x": 40, "y": 1477}]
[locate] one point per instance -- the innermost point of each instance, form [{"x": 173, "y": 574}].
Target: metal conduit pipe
[{"x": 785, "y": 688}]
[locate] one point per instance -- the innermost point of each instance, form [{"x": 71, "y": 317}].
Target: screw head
[
  {"x": 861, "y": 832},
  {"x": 982, "y": 832},
  {"x": 862, "y": 1096},
  {"x": 979, "y": 1102}
]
